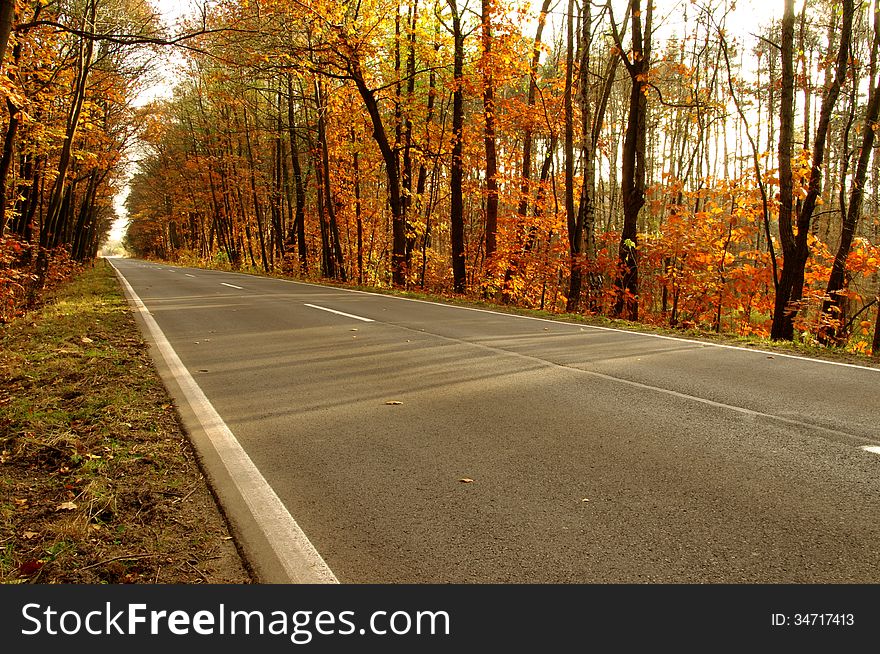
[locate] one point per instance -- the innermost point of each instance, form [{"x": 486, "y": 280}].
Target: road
[{"x": 596, "y": 455}]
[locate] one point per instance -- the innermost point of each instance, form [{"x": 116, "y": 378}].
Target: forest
[{"x": 678, "y": 164}]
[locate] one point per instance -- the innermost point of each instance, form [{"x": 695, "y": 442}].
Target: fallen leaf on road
[
  {"x": 66, "y": 506},
  {"x": 586, "y": 499},
  {"x": 393, "y": 403},
  {"x": 466, "y": 480}
]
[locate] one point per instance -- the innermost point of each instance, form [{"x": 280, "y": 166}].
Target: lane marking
[
  {"x": 561, "y": 322},
  {"x": 188, "y": 275},
  {"x": 340, "y": 313},
  {"x": 240, "y": 288},
  {"x": 299, "y": 558},
  {"x": 626, "y": 331},
  {"x": 584, "y": 325},
  {"x": 874, "y": 449}
]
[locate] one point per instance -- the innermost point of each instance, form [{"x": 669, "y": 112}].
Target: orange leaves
[{"x": 705, "y": 260}]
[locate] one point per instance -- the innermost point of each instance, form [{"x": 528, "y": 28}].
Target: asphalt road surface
[{"x": 596, "y": 456}]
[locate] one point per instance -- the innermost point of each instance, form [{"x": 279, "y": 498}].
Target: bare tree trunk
[
  {"x": 574, "y": 236},
  {"x": 459, "y": 272},
  {"x": 875, "y": 347},
  {"x": 357, "y": 209},
  {"x": 633, "y": 164},
  {"x": 489, "y": 139},
  {"x": 258, "y": 206},
  {"x": 392, "y": 173},
  {"x": 408, "y": 134},
  {"x": 299, "y": 220}
]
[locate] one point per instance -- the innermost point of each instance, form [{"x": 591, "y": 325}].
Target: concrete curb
[{"x": 274, "y": 547}]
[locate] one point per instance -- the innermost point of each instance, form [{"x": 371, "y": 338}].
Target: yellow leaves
[{"x": 859, "y": 347}]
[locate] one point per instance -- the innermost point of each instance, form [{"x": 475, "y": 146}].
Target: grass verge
[{"x": 98, "y": 483}]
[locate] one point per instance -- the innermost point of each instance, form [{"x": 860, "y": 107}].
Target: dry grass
[{"x": 98, "y": 484}]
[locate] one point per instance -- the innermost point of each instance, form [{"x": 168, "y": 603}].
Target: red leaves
[{"x": 30, "y": 568}]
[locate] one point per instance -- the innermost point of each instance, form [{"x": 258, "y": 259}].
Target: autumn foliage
[
  {"x": 66, "y": 87},
  {"x": 385, "y": 142}
]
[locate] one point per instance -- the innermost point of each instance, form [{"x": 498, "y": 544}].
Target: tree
[
  {"x": 633, "y": 168},
  {"x": 832, "y": 307},
  {"x": 794, "y": 236},
  {"x": 456, "y": 172}
]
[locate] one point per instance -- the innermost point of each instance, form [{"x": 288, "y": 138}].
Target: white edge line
[
  {"x": 874, "y": 449},
  {"x": 188, "y": 275},
  {"x": 340, "y": 313},
  {"x": 240, "y": 288},
  {"x": 284, "y": 535},
  {"x": 562, "y": 322}
]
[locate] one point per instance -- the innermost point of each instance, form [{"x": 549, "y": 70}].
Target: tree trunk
[
  {"x": 875, "y": 347},
  {"x": 398, "y": 218},
  {"x": 7, "y": 16},
  {"x": 574, "y": 236},
  {"x": 795, "y": 246},
  {"x": 456, "y": 174},
  {"x": 9, "y": 141},
  {"x": 832, "y": 307},
  {"x": 49, "y": 234},
  {"x": 299, "y": 219},
  {"x": 335, "y": 252},
  {"x": 633, "y": 166},
  {"x": 489, "y": 135},
  {"x": 258, "y": 207}
]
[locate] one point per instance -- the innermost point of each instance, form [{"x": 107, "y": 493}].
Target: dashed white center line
[
  {"x": 188, "y": 275},
  {"x": 874, "y": 449},
  {"x": 340, "y": 313},
  {"x": 240, "y": 288}
]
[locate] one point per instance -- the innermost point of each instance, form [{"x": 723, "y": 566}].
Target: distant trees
[{"x": 583, "y": 158}]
